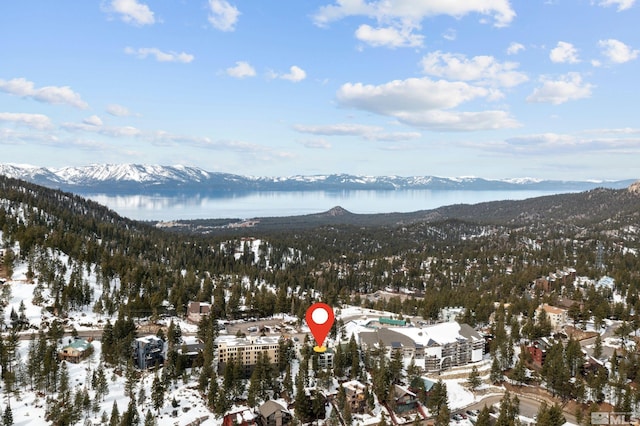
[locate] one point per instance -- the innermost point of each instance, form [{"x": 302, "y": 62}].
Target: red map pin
[{"x": 320, "y": 318}]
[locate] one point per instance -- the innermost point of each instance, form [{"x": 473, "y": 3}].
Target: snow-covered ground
[{"x": 29, "y": 408}]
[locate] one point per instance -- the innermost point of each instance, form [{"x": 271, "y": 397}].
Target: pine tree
[
  {"x": 223, "y": 403},
  {"x": 346, "y": 414},
  {"x": 302, "y": 405},
  {"x": 130, "y": 417},
  {"x": 142, "y": 395},
  {"x": 438, "y": 400},
  {"x": 484, "y": 418},
  {"x": 131, "y": 379},
  {"x": 149, "y": 419},
  {"x": 114, "y": 420},
  {"x": 7, "y": 417},
  {"x": 496, "y": 372},
  {"x": 509, "y": 410},
  {"x": 442, "y": 418},
  {"x": 157, "y": 393},
  {"x": 212, "y": 392},
  {"x": 474, "y": 381},
  {"x": 551, "y": 416},
  {"x": 102, "y": 388},
  {"x": 287, "y": 383},
  {"x": 519, "y": 373},
  {"x": 597, "y": 347},
  {"x": 64, "y": 392}
]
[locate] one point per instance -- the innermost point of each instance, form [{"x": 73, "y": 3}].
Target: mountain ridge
[{"x": 131, "y": 178}]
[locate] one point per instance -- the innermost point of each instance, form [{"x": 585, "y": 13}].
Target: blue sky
[{"x": 488, "y": 88}]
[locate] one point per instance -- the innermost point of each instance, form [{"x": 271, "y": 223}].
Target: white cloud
[
  {"x": 132, "y": 12},
  {"x": 564, "y": 53},
  {"x": 261, "y": 152},
  {"x": 515, "y": 48},
  {"x": 241, "y": 70},
  {"x": 413, "y": 94},
  {"x": 617, "y": 52},
  {"x": 569, "y": 87},
  {"x": 12, "y": 137},
  {"x": 94, "y": 125},
  {"x": 421, "y": 102},
  {"x": 479, "y": 68},
  {"x": 446, "y": 121},
  {"x": 541, "y": 139},
  {"x": 622, "y": 4},
  {"x": 222, "y": 15},
  {"x": 159, "y": 55},
  {"x": 118, "y": 110},
  {"x": 373, "y": 133},
  {"x": 551, "y": 143},
  {"x": 338, "y": 129},
  {"x": 34, "y": 121},
  {"x": 48, "y": 94},
  {"x": 450, "y": 34},
  {"x": 388, "y": 37},
  {"x": 392, "y": 136},
  {"x": 618, "y": 131},
  {"x": 295, "y": 74},
  {"x": 316, "y": 143},
  {"x": 94, "y": 120},
  {"x": 409, "y": 13}
]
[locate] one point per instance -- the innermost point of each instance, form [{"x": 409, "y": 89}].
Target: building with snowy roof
[
  {"x": 245, "y": 350},
  {"x": 196, "y": 310},
  {"x": 148, "y": 352},
  {"x": 404, "y": 400},
  {"x": 241, "y": 417},
  {"x": 355, "y": 395},
  {"x": 272, "y": 413},
  {"x": 76, "y": 350},
  {"x": 434, "y": 347}
]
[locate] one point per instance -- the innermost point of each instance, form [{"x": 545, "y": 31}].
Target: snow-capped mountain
[
  {"x": 130, "y": 173},
  {"x": 137, "y": 178}
]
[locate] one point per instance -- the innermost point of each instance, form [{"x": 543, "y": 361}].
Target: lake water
[{"x": 280, "y": 203}]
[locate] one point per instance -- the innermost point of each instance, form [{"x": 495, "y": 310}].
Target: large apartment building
[
  {"x": 433, "y": 348},
  {"x": 246, "y": 349}
]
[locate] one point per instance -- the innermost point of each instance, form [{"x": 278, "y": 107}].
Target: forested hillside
[
  {"x": 78, "y": 256},
  {"x": 449, "y": 254}
]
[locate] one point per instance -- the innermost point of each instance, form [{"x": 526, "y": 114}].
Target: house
[
  {"x": 558, "y": 317},
  {"x": 196, "y": 310},
  {"x": 148, "y": 352},
  {"x": 538, "y": 351},
  {"x": 404, "y": 400},
  {"x": 356, "y": 396},
  {"x": 76, "y": 350},
  {"x": 243, "y": 417},
  {"x": 273, "y": 414},
  {"x": 190, "y": 348},
  {"x": 542, "y": 284}
]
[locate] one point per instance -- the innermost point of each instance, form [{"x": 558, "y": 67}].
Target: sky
[{"x": 489, "y": 88}]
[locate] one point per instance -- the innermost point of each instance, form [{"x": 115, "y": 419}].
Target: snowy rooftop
[
  {"x": 243, "y": 341},
  {"x": 443, "y": 333}
]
